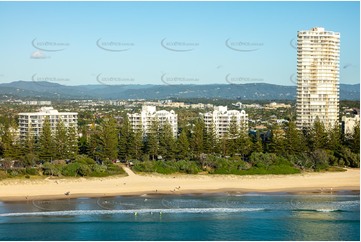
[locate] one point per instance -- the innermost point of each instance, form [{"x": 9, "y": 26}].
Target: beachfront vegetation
[
  {"x": 283, "y": 149},
  {"x": 261, "y": 163},
  {"x": 82, "y": 166}
]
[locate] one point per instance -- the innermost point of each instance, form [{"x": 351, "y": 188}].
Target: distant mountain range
[{"x": 252, "y": 91}]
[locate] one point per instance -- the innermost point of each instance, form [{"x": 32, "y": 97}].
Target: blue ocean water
[{"x": 251, "y": 216}]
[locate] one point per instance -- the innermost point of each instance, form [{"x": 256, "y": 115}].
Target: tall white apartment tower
[{"x": 318, "y": 54}]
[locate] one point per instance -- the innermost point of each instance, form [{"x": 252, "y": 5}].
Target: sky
[{"x": 168, "y": 43}]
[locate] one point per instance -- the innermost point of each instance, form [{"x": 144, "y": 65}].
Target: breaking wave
[{"x": 133, "y": 211}]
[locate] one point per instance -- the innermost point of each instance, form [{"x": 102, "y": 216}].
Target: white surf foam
[{"x": 133, "y": 211}]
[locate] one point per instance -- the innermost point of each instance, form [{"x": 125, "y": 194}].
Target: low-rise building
[
  {"x": 274, "y": 105},
  {"x": 40, "y": 103}
]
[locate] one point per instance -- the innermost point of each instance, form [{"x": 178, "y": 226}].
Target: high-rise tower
[{"x": 318, "y": 54}]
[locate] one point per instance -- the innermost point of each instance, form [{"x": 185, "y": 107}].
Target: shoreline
[
  {"x": 295, "y": 191},
  {"x": 326, "y": 183}
]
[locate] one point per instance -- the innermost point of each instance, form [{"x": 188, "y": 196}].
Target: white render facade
[
  {"x": 349, "y": 123},
  {"x": 221, "y": 118},
  {"x": 33, "y": 122},
  {"x": 318, "y": 54},
  {"x": 142, "y": 121}
]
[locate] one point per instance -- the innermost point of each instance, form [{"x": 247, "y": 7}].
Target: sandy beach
[{"x": 133, "y": 184}]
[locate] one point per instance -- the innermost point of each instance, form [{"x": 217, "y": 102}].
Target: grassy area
[
  {"x": 167, "y": 167},
  {"x": 335, "y": 169}
]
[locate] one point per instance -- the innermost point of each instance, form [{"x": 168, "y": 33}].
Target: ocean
[{"x": 251, "y": 216}]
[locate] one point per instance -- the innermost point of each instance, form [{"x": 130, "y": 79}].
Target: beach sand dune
[{"x": 57, "y": 188}]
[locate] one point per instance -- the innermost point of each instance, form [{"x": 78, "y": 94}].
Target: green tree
[
  {"x": 183, "y": 146},
  {"x": 244, "y": 144},
  {"x": 61, "y": 138},
  {"x": 124, "y": 135},
  {"x": 294, "y": 141},
  {"x": 197, "y": 138},
  {"x": 152, "y": 145},
  {"x": 28, "y": 153},
  {"x": 94, "y": 143},
  {"x": 213, "y": 140},
  {"x": 277, "y": 142},
  {"x": 27, "y": 143},
  {"x": 224, "y": 144},
  {"x": 11, "y": 145},
  {"x": 1, "y": 148},
  {"x": 207, "y": 141},
  {"x": 257, "y": 144},
  {"x": 349, "y": 158},
  {"x": 334, "y": 139},
  {"x": 233, "y": 133},
  {"x": 109, "y": 139},
  {"x": 83, "y": 142},
  {"x": 318, "y": 136},
  {"x": 355, "y": 144},
  {"x": 50, "y": 169},
  {"x": 135, "y": 144},
  {"x": 167, "y": 144},
  {"x": 72, "y": 142},
  {"x": 46, "y": 142}
]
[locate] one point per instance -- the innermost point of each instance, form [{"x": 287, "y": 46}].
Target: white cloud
[{"x": 38, "y": 55}]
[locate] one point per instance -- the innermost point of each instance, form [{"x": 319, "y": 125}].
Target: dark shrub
[{"x": 31, "y": 171}]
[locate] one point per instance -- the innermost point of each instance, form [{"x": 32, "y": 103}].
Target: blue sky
[{"x": 75, "y": 43}]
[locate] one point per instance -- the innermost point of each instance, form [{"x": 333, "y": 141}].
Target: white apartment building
[
  {"x": 318, "y": 54},
  {"x": 221, "y": 118},
  {"x": 143, "y": 120},
  {"x": 274, "y": 105},
  {"x": 33, "y": 122},
  {"x": 40, "y": 103},
  {"x": 349, "y": 123}
]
